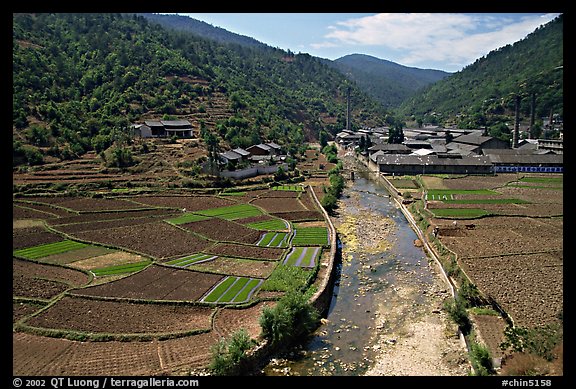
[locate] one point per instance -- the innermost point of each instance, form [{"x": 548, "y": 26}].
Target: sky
[{"x": 442, "y": 41}]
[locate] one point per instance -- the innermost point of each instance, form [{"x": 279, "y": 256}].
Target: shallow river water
[{"x": 371, "y": 275}]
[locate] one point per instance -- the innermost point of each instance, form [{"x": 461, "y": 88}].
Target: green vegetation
[
  {"x": 274, "y": 239},
  {"x": 228, "y": 355},
  {"x": 232, "y": 212},
  {"x": 191, "y": 259},
  {"x": 187, "y": 218},
  {"x": 269, "y": 225},
  {"x": 310, "y": 236},
  {"x": 481, "y": 359},
  {"x": 487, "y": 201},
  {"x": 233, "y": 290},
  {"x": 81, "y": 79},
  {"x": 291, "y": 188},
  {"x": 482, "y": 95},
  {"x": 285, "y": 278},
  {"x": 121, "y": 269},
  {"x": 539, "y": 341},
  {"x": 47, "y": 249},
  {"x": 290, "y": 319}
]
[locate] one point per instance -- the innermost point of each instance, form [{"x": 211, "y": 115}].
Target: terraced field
[{"x": 99, "y": 275}]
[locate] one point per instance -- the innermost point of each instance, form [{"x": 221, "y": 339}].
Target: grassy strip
[
  {"x": 232, "y": 212},
  {"x": 464, "y": 213},
  {"x": 548, "y": 180},
  {"x": 266, "y": 240},
  {"x": 279, "y": 240},
  {"x": 234, "y": 290},
  {"x": 191, "y": 259},
  {"x": 218, "y": 290},
  {"x": 291, "y": 188},
  {"x": 247, "y": 291},
  {"x": 294, "y": 255},
  {"x": 121, "y": 269},
  {"x": 269, "y": 225},
  {"x": 47, "y": 249},
  {"x": 187, "y": 218}
]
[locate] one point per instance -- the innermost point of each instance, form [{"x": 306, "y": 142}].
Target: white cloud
[{"x": 423, "y": 37}]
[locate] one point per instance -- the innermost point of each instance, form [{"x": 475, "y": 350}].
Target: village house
[{"x": 163, "y": 128}]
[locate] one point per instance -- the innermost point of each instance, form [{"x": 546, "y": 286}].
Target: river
[{"x": 385, "y": 284}]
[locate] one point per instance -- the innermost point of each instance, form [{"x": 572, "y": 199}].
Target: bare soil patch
[
  {"x": 191, "y": 203},
  {"x": 34, "y": 280},
  {"x": 223, "y": 230},
  {"x": 158, "y": 239},
  {"x": 245, "y": 251},
  {"x": 156, "y": 283},
  {"x": 115, "y": 317}
]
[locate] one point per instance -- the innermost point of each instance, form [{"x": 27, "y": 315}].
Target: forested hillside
[
  {"x": 483, "y": 93},
  {"x": 388, "y": 82},
  {"x": 80, "y": 80}
]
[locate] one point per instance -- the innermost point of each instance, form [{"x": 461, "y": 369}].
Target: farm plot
[
  {"x": 47, "y": 249},
  {"x": 80, "y": 314},
  {"x": 21, "y": 212},
  {"x": 229, "y": 320},
  {"x": 297, "y": 216},
  {"x": 45, "y": 207},
  {"x": 310, "y": 236},
  {"x": 236, "y": 267},
  {"x": 95, "y": 218},
  {"x": 191, "y": 259},
  {"x": 245, "y": 251},
  {"x": 288, "y": 188},
  {"x": 32, "y": 236},
  {"x": 233, "y": 212},
  {"x": 529, "y": 287},
  {"x": 155, "y": 283},
  {"x": 222, "y": 230},
  {"x": 35, "y": 355},
  {"x": 303, "y": 256},
  {"x": 41, "y": 281},
  {"x": 157, "y": 239},
  {"x": 232, "y": 290},
  {"x": 190, "y": 203},
  {"x": 274, "y": 239},
  {"x": 279, "y": 204},
  {"x": 270, "y": 225},
  {"x": 111, "y": 259}
]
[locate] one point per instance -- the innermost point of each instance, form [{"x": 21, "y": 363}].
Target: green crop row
[
  {"x": 232, "y": 212},
  {"x": 233, "y": 290},
  {"x": 310, "y": 236},
  {"x": 293, "y": 188},
  {"x": 191, "y": 259},
  {"x": 269, "y": 225},
  {"x": 47, "y": 249},
  {"x": 274, "y": 239},
  {"x": 188, "y": 218},
  {"x": 121, "y": 269}
]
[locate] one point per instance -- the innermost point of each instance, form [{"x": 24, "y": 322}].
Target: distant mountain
[
  {"x": 203, "y": 29},
  {"x": 388, "y": 82},
  {"x": 483, "y": 93}
]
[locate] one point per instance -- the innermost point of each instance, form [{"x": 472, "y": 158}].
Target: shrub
[
  {"x": 481, "y": 359},
  {"x": 292, "y": 318},
  {"x": 227, "y": 355}
]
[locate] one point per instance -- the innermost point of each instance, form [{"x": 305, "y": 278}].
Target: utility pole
[
  {"x": 516, "y": 122},
  {"x": 348, "y": 109}
]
